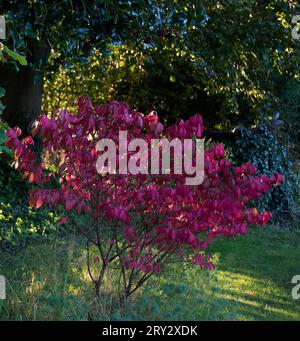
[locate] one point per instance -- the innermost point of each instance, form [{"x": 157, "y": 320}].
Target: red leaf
[
  {"x": 31, "y": 178},
  {"x": 39, "y": 203}
]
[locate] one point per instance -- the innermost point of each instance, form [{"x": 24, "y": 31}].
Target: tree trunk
[{"x": 23, "y": 98}]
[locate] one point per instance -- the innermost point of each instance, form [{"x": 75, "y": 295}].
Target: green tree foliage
[
  {"x": 230, "y": 70},
  {"x": 8, "y": 56},
  {"x": 74, "y": 28},
  {"x": 71, "y": 30}
]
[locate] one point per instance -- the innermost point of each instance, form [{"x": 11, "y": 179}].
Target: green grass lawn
[
  {"x": 252, "y": 281},
  {"x": 254, "y": 274}
]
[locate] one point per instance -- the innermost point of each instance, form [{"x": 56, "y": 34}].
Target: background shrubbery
[
  {"x": 261, "y": 147},
  {"x": 231, "y": 71},
  {"x": 18, "y": 223}
]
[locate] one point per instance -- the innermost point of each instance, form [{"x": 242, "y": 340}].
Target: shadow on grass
[{"x": 256, "y": 272}]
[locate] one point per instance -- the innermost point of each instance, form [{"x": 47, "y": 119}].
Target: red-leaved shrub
[{"x": 137, "y": 222}]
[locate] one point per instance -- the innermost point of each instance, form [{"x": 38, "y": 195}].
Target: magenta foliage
[{"x": 154, "y": 216}]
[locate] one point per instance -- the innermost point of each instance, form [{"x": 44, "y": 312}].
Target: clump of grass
[{"x": 47, "y": 282}]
